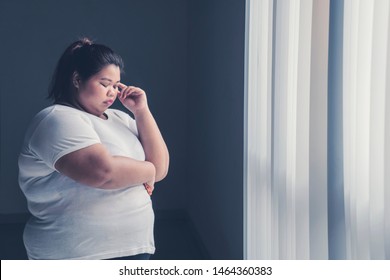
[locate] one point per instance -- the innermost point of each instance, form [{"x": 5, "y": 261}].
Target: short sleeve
[{"x": 60, "y": 133}]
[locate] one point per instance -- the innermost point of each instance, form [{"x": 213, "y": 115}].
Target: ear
[{"x": 76, "y": 79}]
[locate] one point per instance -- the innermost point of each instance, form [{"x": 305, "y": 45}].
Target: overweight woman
[{"x": 88, "y": 171}]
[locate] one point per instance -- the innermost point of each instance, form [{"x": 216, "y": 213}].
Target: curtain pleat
[
  {"x": 259, "y": 107},
  {"x": 364, "y": 104},
  {"x": 377, "y": 129}
]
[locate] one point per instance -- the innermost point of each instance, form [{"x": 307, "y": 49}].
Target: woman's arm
[
  {"x": 156, "y": 151},
  {"x": 153, "y": 143},
  {"x": 95, "y": 167}
]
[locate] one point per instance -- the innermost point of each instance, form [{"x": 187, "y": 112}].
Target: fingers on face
[
  {"x": 121, "y": 86},
  {"x": 130, "y": 90}
]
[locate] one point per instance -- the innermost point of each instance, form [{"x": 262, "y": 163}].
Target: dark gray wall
[
  {"x": 215, "y": 124},
  {"x": 151, "y": 36}
]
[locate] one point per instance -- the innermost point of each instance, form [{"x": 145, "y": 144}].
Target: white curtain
[{"x": 317, "y": 130}]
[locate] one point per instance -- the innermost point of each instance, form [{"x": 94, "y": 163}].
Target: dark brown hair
[{"x": 84, "y": 57}]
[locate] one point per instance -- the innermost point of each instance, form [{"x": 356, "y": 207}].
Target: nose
[{"x": 112, "y": 91}]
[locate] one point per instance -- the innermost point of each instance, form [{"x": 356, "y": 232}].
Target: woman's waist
[
  {"x": 93, "y": 220},
  {"x": 72, "y": 236}
]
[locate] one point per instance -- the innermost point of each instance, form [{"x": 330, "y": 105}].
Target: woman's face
[{"x": 98, "y": 93}]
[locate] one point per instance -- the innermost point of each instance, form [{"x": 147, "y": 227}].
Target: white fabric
[
  {"x": 285, "y": 164},
  {"x": 75, "y": 221},
  {"x": 365, "y": 92},
  {"x": 258, "y": 127},
  {"x": 322, "y": 188}
]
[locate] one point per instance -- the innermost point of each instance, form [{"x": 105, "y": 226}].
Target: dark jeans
[{"x": 144, "y": 256}]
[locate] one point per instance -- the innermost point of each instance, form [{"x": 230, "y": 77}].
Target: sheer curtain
[{"x": 317, "y": 130}]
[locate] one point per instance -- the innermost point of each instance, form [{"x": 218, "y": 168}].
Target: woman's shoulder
[
  {"x": 58, "y": 109},
  {"x": 58, "y": 114}
]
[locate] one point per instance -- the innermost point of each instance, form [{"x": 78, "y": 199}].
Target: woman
[{"x": 88, "y": 171}]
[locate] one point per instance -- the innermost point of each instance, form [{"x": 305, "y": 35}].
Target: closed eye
[{"x": 114, "y": 86}]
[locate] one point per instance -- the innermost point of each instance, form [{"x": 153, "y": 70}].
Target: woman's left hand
[
  {"x": 133, "y": 98},
  {"x": 149, "y": 188}
]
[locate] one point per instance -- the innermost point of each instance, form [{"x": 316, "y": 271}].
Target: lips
[{"x": 109, "y": 102}]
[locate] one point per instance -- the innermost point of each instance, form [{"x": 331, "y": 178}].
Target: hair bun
[{"x": 81, "y": 43}]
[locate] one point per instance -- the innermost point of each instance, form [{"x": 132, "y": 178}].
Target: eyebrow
[{"x": 107, "y": 79}]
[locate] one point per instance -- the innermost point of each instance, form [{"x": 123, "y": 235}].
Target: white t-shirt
[{"x": 71, "y": 220}]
